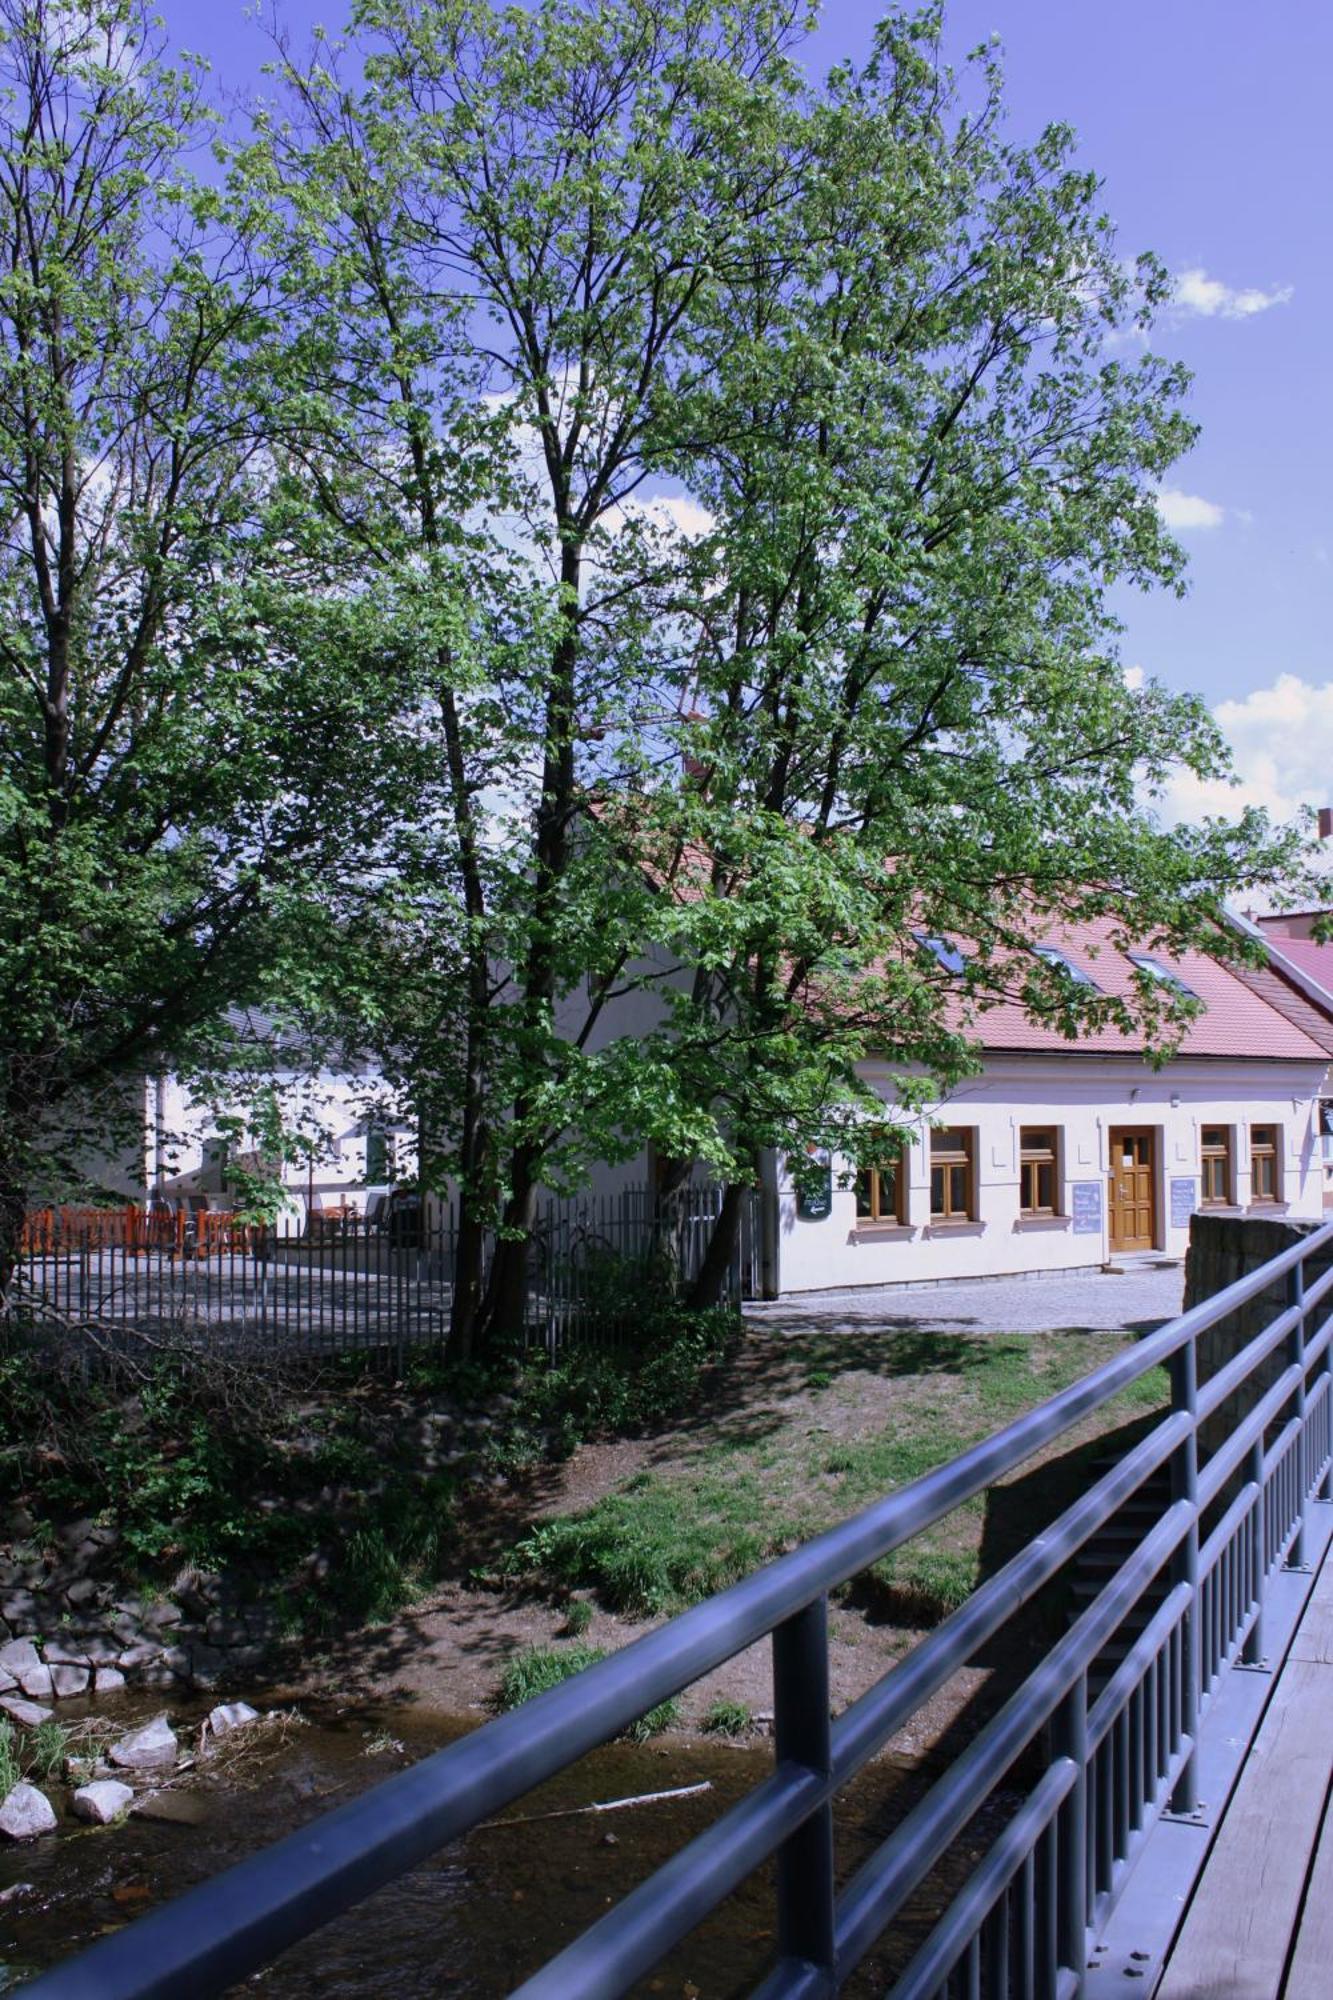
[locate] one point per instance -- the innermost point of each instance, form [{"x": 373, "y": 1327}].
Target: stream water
[{"x": 476, "y": 1919}]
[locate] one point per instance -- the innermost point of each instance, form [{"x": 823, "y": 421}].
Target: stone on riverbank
[
  {"x": 26, "y": 1713},
  {"x": 36, "y": 1682},
  {"x": 26, "y": 1813},
  {"x": 151, "y": 1748},
  {"x": 68, "y": 1681},
  {"x": 19, "y": 1657},
  {"x": 230, "y": 1715},
  {"x": 102, "y": 1801},
  {"x": 108, "y": 1680}
]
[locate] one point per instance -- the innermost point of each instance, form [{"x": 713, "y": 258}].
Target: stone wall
[{"x": 1223, "y": 1248}]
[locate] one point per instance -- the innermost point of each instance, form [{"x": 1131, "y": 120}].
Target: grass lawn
[{"x": 809, "y": 1429}]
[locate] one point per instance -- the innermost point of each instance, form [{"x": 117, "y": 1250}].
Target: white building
[{"x": 1063, "y": 1155}]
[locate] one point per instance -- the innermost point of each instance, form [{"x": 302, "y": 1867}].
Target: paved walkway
[
  {"x": 1078, "y": 1302},
  {"x": 1260, "y": 1924}
]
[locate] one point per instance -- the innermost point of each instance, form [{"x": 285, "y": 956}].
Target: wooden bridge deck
[{"x": 1259, "y": 1925}]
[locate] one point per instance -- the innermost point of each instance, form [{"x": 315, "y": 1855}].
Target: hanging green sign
[{"x": 814, "y": 1185}]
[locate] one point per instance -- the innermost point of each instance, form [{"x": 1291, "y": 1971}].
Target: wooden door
[{"x": 1133, "y": 1202}]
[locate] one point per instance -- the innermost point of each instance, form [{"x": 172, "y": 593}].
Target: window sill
[
  {"x": 1220, "y": 1208},
  {"x": 1040, "y": 1222},
  {"x": 963, "y": 1226},
  {"x": 1265, "y": 1208},
  {"x": 876, "y": 1232}
]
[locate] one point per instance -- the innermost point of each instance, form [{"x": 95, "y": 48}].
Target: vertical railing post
[
  {"x": 1185, "y": 1567},
  {"x": 1326, "y": 1426},
  {"x": 1296, "y": 1558},
  {"x": 1070, "y": 1739},
  {"x": 801, "y": 1729},
  {"x": 1252, "y": 1653}
]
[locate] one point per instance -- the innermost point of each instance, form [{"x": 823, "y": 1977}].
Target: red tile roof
[
  {"x": 1238, "y": 1020},
  {"x": 1314, "y": 960},
  {"x": 1290, "y": 1003}
]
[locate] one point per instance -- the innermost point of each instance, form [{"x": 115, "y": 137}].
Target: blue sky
[{"x": 1207, "y": 120}]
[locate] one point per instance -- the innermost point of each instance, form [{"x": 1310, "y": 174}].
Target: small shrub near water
[
  {"x": 538, "y": 1668},
  {"x": 728, "y": 1718},
  {"x": 655, "y": 1721},
  {"x": 47, "y": 1748},
  {"x": 50, "y": 1747},
  {"x": 10, "y": 1772}
]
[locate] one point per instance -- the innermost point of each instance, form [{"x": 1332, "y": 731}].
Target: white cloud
[
  {"x": 1281, "y": 741},
  {"x": 1133, "y": 677},
  {"x": 1188, "y": 510},
  {"x": 1196, "y": 292}
]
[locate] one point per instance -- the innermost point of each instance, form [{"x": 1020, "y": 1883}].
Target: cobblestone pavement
[{"x": 1137, "y": 1300}]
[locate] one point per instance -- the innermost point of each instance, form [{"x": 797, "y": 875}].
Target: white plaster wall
[
  {"x": 332, "y": 1109},
  {"x": 1083, "y": 1098}
]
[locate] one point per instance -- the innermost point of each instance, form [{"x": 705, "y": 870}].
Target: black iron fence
[
  {"x": 1075, "y": 1768},
  {"x": 338, "y": 1284}
]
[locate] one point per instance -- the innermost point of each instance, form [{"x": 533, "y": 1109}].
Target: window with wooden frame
[
  {"x": 1215, "y": 1166},
  {"x": 1265, "y": 1164},
  {"x": 881, "y": 1190},
  {"x": 952, "y": 1174},
  {"x": 1039, "y": 1170}
]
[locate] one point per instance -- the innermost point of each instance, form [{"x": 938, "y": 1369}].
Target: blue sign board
[
  {"x": 1087, "y": 1208},
  {"x": 1184, "y": 1201}
]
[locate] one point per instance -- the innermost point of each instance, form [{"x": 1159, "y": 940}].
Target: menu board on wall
[
  {"x": 1087, "y": 1208},
  {"x": 1184, "y": 1201},
  {"x": 814, "y": 1185}
]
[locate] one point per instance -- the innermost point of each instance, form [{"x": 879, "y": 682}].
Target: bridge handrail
[{"x": 228, "y": 1927}]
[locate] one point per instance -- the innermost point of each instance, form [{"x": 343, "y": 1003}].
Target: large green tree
[
  {"x": 745, "y": 462},
  {"x": 927, "y": 460},
  {"x": 495, "y": 247},
  {"x": 176, "y": 761}
]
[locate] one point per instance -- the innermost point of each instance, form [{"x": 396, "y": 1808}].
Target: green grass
[
  {"x": 45, "y": 1750},
  {"x": 539, "y": 1668},
  {"x": 49, "y": 1748},
  {"x": 727, "y": 1718},
  {"x": 10, "y": 1771},
  {"x": 668, "y": 1538}
]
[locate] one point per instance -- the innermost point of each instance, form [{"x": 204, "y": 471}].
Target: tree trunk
[
  {"x": 469, "y": 1274},
  {"x": 13, "y": 1208},
  {"x": 710, "y": 1284},
  {"x": 506, "y": 1294}
]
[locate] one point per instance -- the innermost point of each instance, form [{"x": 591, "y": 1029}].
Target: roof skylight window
[
  {"x": 944, "y": 949},
  {"x": 1163, "y": 974},
  {"x": 1053, "y": 956}
]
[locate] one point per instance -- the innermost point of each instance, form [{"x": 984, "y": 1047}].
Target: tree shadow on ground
[{"x": 754, "y": 1394}]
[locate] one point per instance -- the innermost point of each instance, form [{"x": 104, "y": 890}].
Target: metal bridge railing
[{"x": 1108, "y": 1759}]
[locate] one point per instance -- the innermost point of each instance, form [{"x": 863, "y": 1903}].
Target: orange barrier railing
[{"x": 174, "y": 1231}]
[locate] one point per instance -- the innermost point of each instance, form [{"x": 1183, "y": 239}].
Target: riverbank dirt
[{"x": 810, "y": 1420}]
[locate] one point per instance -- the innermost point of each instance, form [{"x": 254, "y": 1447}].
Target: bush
[
  {"x": 654, "y": 1722},
  {"x": 10, "y": 1773},
  {"x": 50, "y": 1747},
  {"x": 644, "y": 1553},
  {"x": 538, "y": 1668},
  {"x": 728, "y": 1718}
]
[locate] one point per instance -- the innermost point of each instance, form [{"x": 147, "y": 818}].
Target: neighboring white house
[
  {"x": 346, "y": 1138},
  {"x": 1062, "y": 1155}
]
